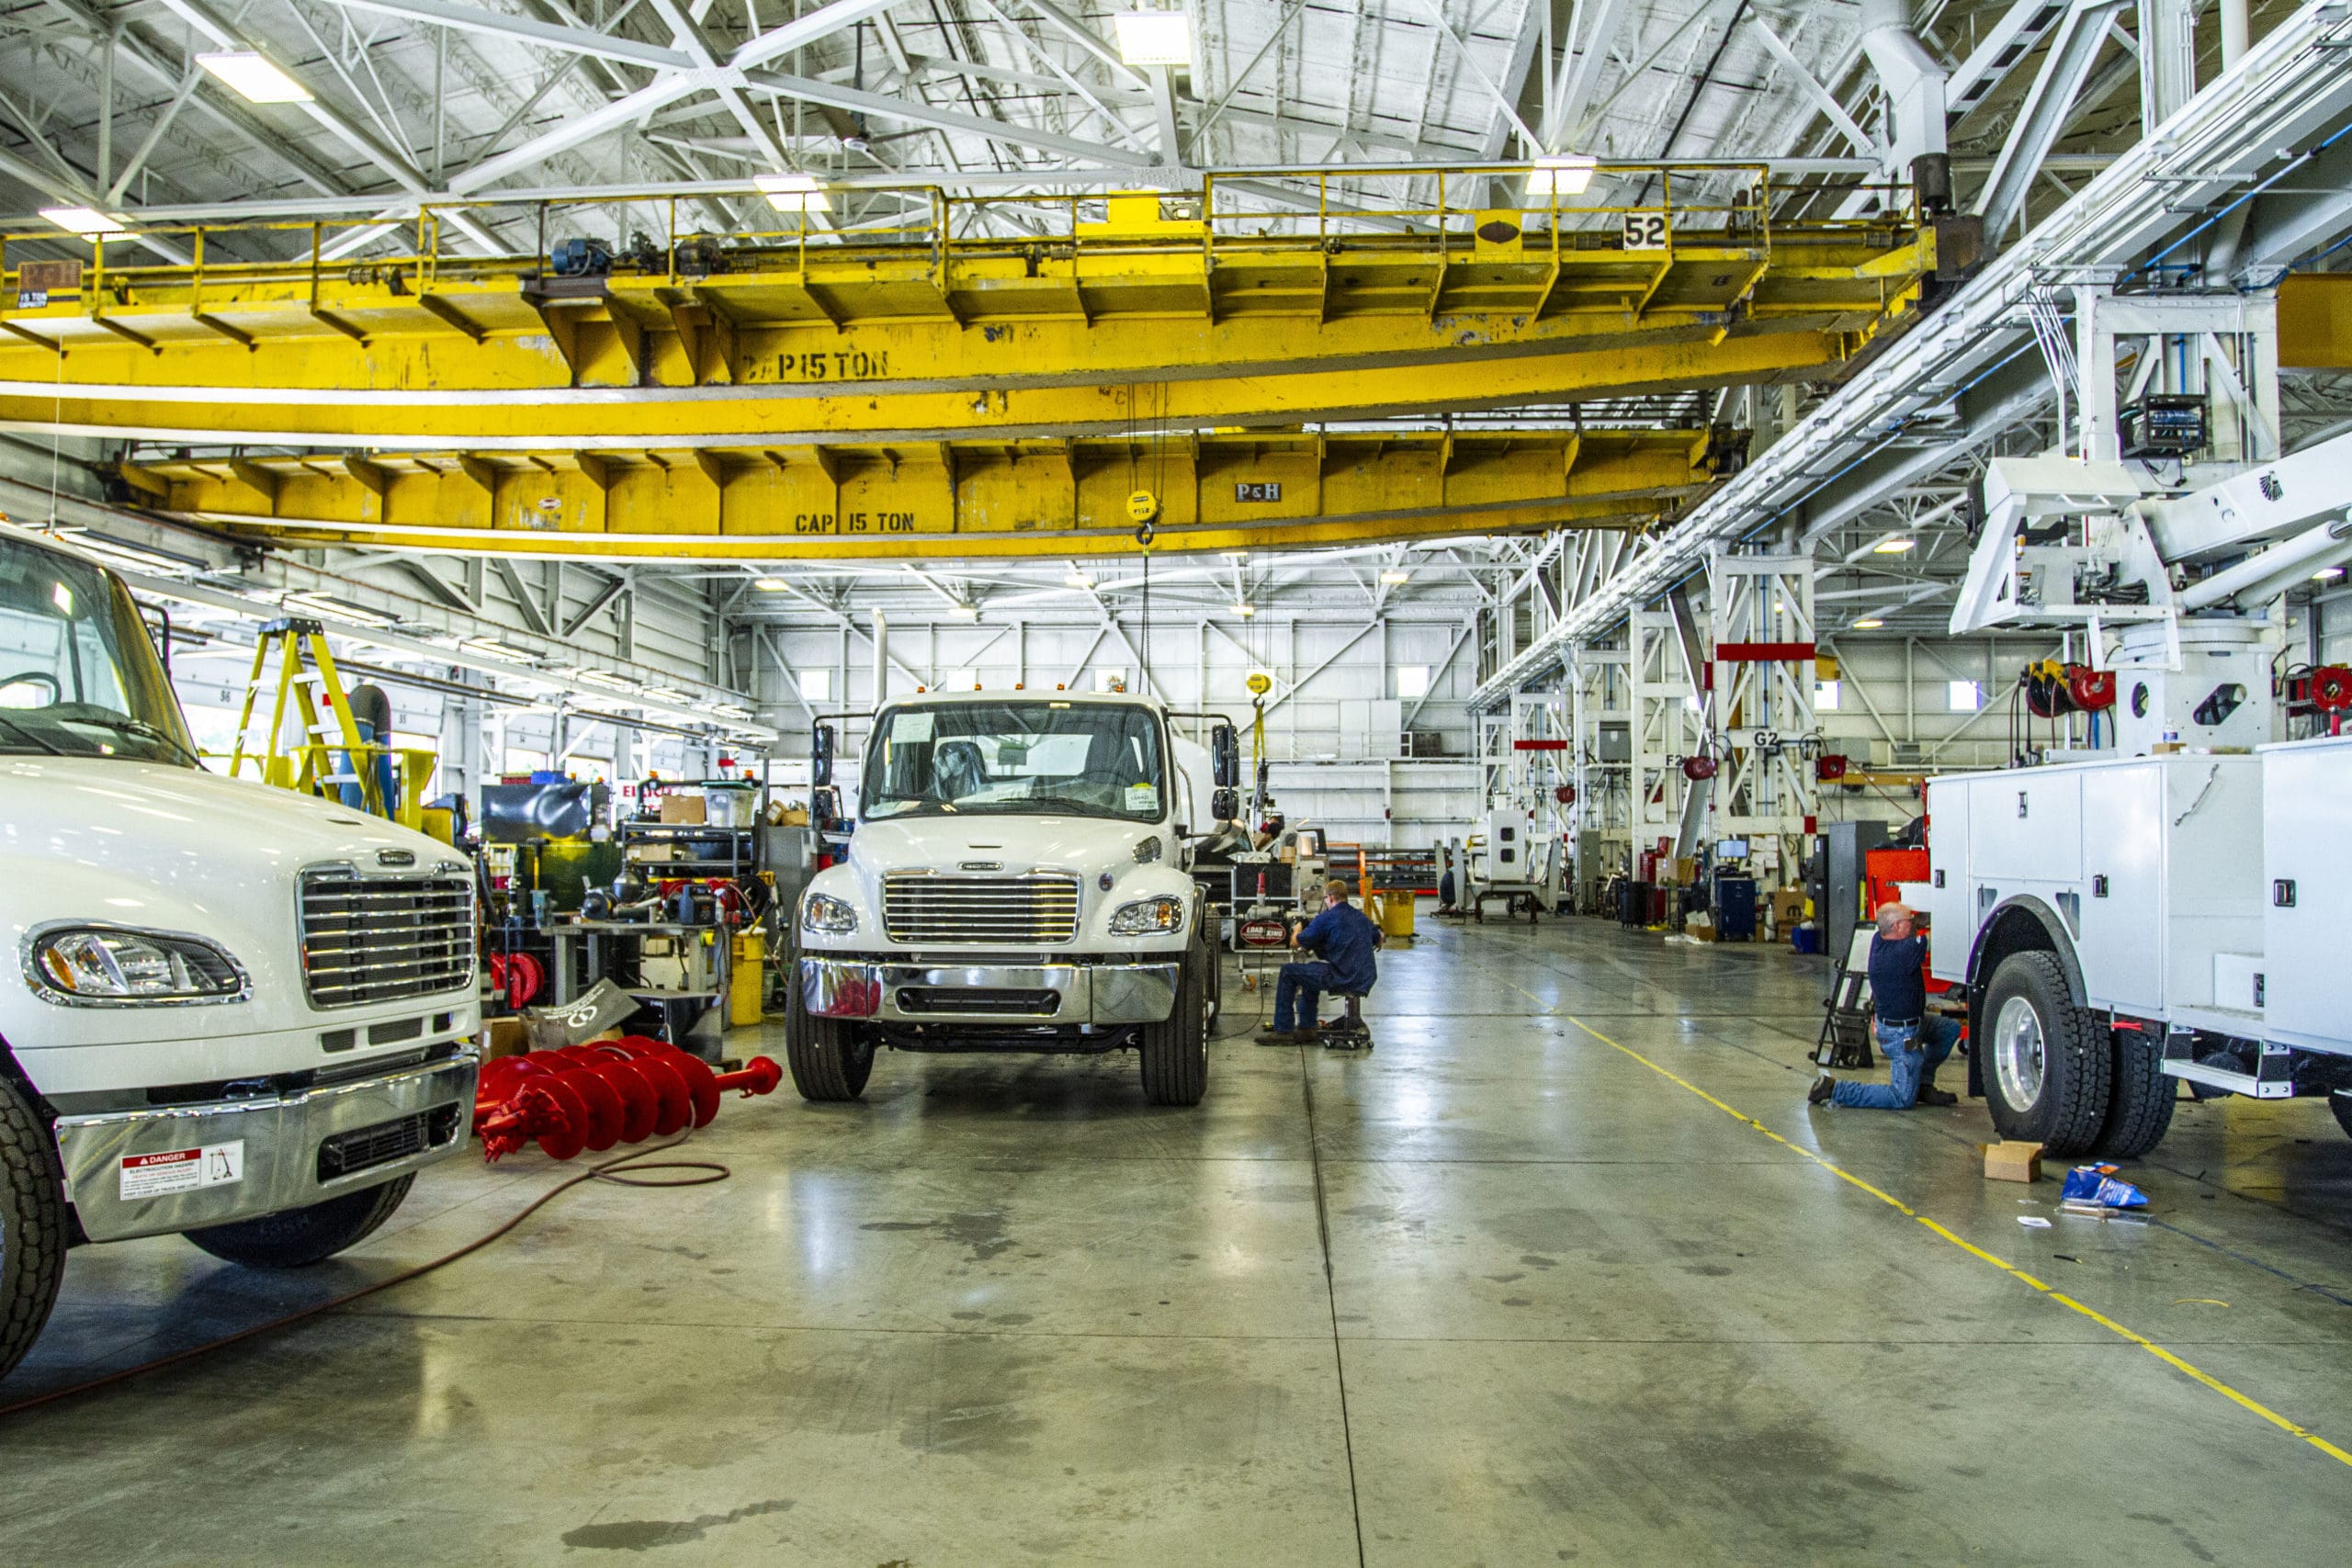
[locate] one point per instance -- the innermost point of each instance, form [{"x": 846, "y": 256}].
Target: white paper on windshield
[
  {"x": 911, "y": 729},
  {"x": 1144, "y": 798}
]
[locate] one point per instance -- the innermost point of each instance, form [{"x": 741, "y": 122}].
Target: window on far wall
[
  {"x": 520, "y": 761},
  {"x": 1966, "y": 696},
  {"x": 1110, "y": 679},
  {"x": 1412, "y": 681},
  {"x": 1825, "y": 696},
  {"x": 816, "y": 685},
  {"x": 961, "y": 680}
]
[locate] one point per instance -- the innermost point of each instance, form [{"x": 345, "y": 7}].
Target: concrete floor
[{"x": 1504, "y": 1291}]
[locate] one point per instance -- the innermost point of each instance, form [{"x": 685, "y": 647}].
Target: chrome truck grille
[
  {"x": 377, "y": 939},
  {"x": 925, "y": 910}
]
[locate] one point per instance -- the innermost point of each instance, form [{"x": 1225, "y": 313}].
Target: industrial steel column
[{"x": 1763, "y": 654}]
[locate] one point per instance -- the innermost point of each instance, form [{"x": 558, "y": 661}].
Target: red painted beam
[{"x": 1762, "y": 653}]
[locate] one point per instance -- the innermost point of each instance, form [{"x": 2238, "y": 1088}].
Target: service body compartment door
[
  {"x": 1949, "y": 905},
  {"x": 2307, "y": 892},
  {"x": 2121, "y": 897},
  {"x": 2027, "y": 826}
]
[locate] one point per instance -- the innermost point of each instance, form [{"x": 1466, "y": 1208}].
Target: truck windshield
[
  {"x": 1089, "y": 759},
  {"x": 78, "y": 676}
]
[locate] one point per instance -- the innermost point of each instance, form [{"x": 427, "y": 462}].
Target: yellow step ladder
[{"x": 310, "y": 765}]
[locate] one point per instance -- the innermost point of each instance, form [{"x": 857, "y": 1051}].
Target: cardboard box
[
  {"x": 793, "y": 816},
  {"x": 1788, "y": 906},
  {"x": 504, "y": 1037},
  {"x": 2005, "y": 1161},
  {"x": 687, "y": 808}
]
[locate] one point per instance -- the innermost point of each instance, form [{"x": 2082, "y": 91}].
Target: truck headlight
[
  {"x": 827, "y": 916},
  {"x": 1149, "y": 917},
  {"x": 108, "y": 967}
]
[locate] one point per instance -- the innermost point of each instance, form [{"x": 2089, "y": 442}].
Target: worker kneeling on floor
[
  {"x": 1914, "y": 1042},
  {"x": 1342, "y": 939}
]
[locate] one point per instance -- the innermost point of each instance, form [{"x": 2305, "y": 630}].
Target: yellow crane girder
[
  {"x": 1134, "y": 323},
  {"x": 1238, "y": 491}
]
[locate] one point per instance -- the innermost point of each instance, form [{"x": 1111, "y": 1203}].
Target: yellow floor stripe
[{"x": 2061, "y": 1297}]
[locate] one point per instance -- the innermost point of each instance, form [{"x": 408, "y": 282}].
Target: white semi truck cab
[
  {"x": 1018, "y": 880},
  {"x": 231, "y": 1011}
]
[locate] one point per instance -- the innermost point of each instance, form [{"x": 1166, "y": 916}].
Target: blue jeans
[
  {"x": 1914, "y": 1053},
  {"x": 1298, "y": 991}
]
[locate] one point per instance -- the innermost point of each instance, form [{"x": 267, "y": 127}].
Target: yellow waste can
[
  {"x": 1395, "y": 914},
  {"x": 748, "y": 982}
]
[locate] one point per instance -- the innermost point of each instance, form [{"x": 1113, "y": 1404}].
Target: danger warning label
[{"x": 182, "y": 1170}]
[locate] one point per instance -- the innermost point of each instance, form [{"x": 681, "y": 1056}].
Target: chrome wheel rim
[{"x": 2018, "y": 1052}]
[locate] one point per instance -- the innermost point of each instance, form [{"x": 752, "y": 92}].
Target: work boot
[
  {"x": 1819, "y": 1093},
  {"x": 1933, "y": 1096},
  {"x": 1288, "y": 1037}
]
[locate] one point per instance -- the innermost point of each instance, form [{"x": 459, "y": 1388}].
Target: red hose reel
[
  {"x": 520, "y": 975},
  {"x": 603, "y": 1093}
]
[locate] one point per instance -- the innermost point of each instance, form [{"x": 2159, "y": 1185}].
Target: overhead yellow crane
[
  {"x": 1238, "y": 491},
  {"x": 1167, "y": 312}
]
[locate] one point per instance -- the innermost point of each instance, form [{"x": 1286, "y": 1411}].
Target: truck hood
[
  {"x": 156, "y": 846},
  {"x": 1080, "y": 844},
  {"x": 177, "y": 826}
]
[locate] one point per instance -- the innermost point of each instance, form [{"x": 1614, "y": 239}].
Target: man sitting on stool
[
  {"x": 1343, "y": 938},
  {"x": 1914, "y": 1042}
]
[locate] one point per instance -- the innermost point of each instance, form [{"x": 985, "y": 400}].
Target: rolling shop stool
[{"x": 1347, "y": 1032}]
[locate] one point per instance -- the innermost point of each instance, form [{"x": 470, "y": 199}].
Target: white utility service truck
[
  {"x": 234, "y": 1013},
  {"x": 1019, "y": 879},
  {"x": 2172, "y": 904}
]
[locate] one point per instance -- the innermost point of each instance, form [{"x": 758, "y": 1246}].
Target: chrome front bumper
[
  {"x": 1000, "y": 994},
  {"x": 185, "y": 1166}
]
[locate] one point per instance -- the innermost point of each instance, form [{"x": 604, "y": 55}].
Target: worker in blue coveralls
[
  {"x": 1914, "y": 1042},
  {"x": 1342, "y": 939}
]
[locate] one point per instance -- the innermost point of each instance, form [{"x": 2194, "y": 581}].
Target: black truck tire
[
  {"x": 1176, "y": 1053},
  {"x": 828, "y": 1061},
  {"x": 2047, "y": 1066},
  {"x": 32, "y": 1227},
  {"x": 299, "y": 1238},
  {"x": 2139, "y": 1099}
]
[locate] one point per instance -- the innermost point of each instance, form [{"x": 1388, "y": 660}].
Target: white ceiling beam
[
  {"x": 547, "y": 35},
  {"x": 1086, "y": 38},
  {"x": 1821, "y": 100},
  {"x": 1478, "y": 73}
]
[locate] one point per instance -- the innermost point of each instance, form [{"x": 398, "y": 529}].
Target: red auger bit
[{"x": 603, "y": 1093}]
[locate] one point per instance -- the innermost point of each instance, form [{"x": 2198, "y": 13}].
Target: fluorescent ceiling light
[
  {"x": 1154, "y": 37},
  {"x": 1078, "y": 580},
  {"x": 770, "y": 585},
  {"x": 2327, "y": 574},
  {"x": 1569, "y": 174},
  {"x": 963, "y": 613},
  {"x": 138, "y": 557},
  {"x": 255, "y": 79},
  {"x": 1893, "y": 546},
  {"x": 1396, "y": 577},
  {"x": 1245, "y": 611},
  {"x": 1867, "y": 626},
  {"x": 87, "y": 222},
  {"x": 321, "y": 604},
  {"x": 599, "y": 678},
  {"x": 730, "y": 710},
  {"x": 793, "y": 193},
  {"x": 497, "y": 650}
]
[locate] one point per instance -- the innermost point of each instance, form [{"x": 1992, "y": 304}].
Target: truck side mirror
[
  {"x": 1225, "y": 805},
  {"x": 821, "y": 740},
  {"x": 1225, "y": 761}
]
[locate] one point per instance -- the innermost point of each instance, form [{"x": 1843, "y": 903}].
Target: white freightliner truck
[
  {"x": 2177, "y": 904},
  {"x": 1018, "y": 880},
  {"x": 231, "y": 1011}
]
